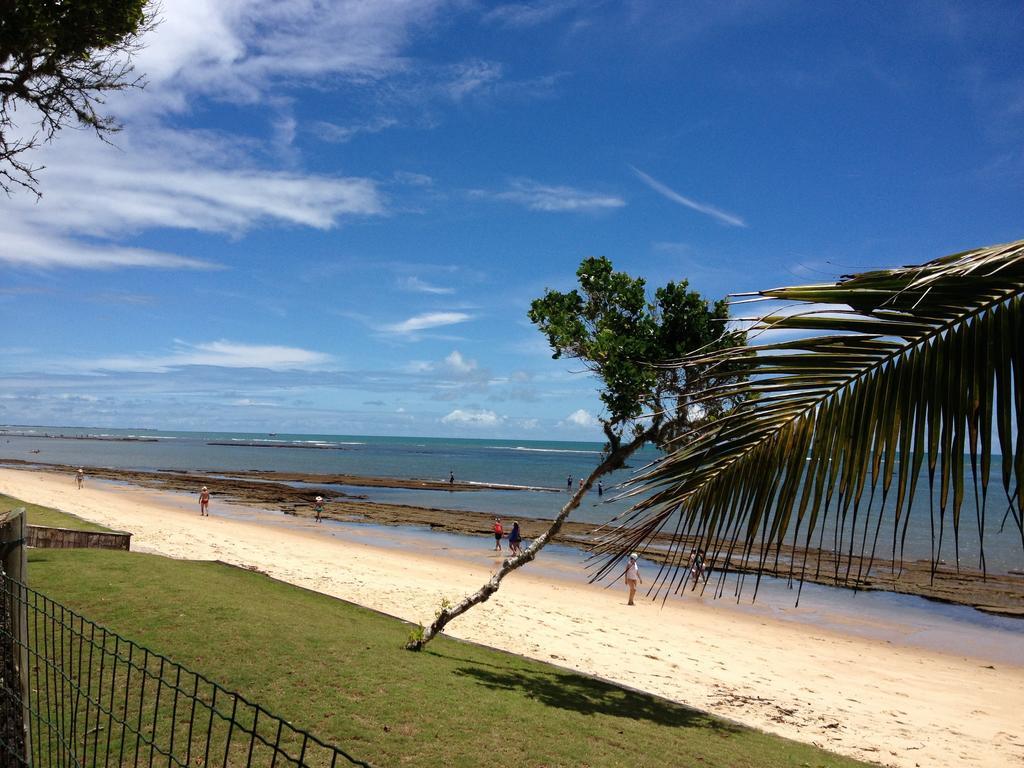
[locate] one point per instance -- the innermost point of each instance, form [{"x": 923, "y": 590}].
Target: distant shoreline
[
  {"x": 99, "y": 438},
  {"x": 1001, "y": 594}
]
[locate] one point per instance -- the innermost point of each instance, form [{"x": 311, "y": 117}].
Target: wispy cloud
[
  {"x": 456, "y": 376},
  {"x": 558, "y": 199},
  {"x": 426, "y": 321},
  {"x": 471, "y": 77},
  {"x": 416, "y": 285},
  {"x": 413, "y": 179},
  {"x": 667, "y": 246},
  {"x": 708, "y": 210},
  {"x": 162, "y": 180},
  {"x": 524, "y": 15},
  {"x": 223, "y": 354},
  {"x": 341, "y": 134},
  {"x": 35, "y": 248}
]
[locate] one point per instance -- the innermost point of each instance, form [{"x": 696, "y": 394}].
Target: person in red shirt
[{"x": 497, "y": 534}]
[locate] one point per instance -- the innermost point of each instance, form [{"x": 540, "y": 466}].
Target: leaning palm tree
[{"x": 845, "y": 397}]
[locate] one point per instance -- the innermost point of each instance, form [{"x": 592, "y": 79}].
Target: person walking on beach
[
  {"x": 318, "y": 507},
  {"x": 497, "y": 534},
  {"x": 204, "y": 502},
  {"x": 514, "y": 539},
  {"x": 80, "y": 477},
  {"x": 632, "y": 576}
]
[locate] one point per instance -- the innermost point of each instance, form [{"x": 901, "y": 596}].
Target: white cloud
[
  {"x": 472, "y": 418},
  {"x": 239, "y": 50},
  {"x": 723, "y": 216},
  {"x": 459, "y": 364},
  {"x": 248, "y": 52},
  {"x": 425, "y": 321},
  {"x": 223, "y": 353},
  {"x": 541, "y": 197},
  {"x": 582, "y": 418},
  {"x": 420, "y": 286}
]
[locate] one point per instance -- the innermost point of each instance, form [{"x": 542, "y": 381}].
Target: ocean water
[{"x": 538, "y": 464}]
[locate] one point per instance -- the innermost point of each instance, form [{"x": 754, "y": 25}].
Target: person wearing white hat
[
  {"x": 632, "y": 576},
  {"x": 319, "y": 508},
  {"x": 204, "y": 502}
]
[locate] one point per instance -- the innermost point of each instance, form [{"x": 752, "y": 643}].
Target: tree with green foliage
[
  {"x": 58, "y": 58},
  {"x": 868, "y": 382},
  {"x": 627, "y": 339}
]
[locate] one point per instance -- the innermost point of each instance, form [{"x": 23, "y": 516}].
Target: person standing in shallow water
[
  {"x": 497, "y": 534},
  {"x": 514, "y": 539},
  {"x": 568, "y": 483},
  {"x": 318, "y": 507},
  {"x": 204, "y": 502},
  {"x": 451, "y": 477},
  {"x": 632, "y": 576}
]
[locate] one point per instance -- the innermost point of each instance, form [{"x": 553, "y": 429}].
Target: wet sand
[{"x": 891, "y": 702}]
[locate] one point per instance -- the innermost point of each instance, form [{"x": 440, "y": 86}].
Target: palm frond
[{"x": 904, "y": 370}]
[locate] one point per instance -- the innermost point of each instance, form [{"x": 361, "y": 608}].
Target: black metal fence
[{"x": 94, "y": 698}]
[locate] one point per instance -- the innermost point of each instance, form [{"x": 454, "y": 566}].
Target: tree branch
[{"x": 614, "y": 460}]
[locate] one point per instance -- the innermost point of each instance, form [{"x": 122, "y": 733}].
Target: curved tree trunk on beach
[{"x": 614, "y": 460}]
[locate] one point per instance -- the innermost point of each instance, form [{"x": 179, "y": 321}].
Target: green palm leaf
[{"x": 903, "y": 370}]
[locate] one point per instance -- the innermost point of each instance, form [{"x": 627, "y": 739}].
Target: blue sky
[{"x": 332, "y": 217}]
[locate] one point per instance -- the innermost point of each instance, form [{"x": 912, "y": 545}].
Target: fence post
[{"x": 15, "y": 566}]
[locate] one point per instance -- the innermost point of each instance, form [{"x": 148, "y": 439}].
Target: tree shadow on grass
[{"x": 590, "y": 696}]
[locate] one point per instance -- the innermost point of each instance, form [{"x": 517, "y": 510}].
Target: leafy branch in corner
[{"x": 58, "y": 60}]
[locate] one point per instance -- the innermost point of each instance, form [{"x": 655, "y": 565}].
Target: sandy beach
[{"x": 893, "y": 703}]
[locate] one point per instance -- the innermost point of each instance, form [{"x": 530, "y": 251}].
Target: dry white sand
[{"x": 889, "y": 703}]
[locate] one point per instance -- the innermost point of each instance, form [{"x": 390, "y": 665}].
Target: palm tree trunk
[{"x": 615, "y": 459}]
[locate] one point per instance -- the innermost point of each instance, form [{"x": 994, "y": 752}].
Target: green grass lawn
[
  {"x": 51, "y": 518},
  {"x": 341, "y": 672}
]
